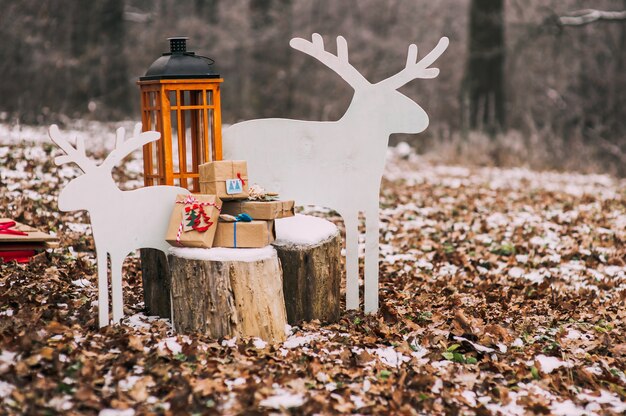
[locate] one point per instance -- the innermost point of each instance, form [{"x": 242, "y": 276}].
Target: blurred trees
[{"x": 565, "y": 85}]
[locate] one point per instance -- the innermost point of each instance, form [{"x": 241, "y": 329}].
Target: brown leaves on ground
[{"x": 501, "y": 292}]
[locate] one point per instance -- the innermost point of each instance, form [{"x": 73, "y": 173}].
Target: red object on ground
[
  {"x": 21, "y": 256},
  {"x": 5, "y": 228}
]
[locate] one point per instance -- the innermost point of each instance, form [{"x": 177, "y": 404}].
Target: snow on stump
[
  {"x": 226, "y": 292},
  {"x": 155, "y": 276},
  {"x": 309, "y": 249}
]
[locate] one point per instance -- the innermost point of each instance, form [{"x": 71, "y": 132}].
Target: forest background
[{"x": 520, "y": 84}]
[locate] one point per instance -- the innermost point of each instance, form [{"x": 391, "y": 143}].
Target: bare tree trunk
[
  {"x": 156, "y": 281},
  {"x": 312, "y": 279},
  {"x": 484, "y": 73}
]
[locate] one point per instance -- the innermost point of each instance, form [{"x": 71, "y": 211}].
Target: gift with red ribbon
[
  {"x": 228, "y": 179},
  {"x": 19, "y": 242},
  {"x": 193, "y": 221}
]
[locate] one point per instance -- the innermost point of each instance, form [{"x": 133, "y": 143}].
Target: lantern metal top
[{"x": 178, "y": 63}]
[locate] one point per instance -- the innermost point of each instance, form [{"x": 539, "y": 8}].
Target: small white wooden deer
[
  {"x": 122, "y": 221},
  {"x": 338, "y": 164}
]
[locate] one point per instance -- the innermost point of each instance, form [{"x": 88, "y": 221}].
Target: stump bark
[
  {"x": 156, "y": 279},
  {"x": 224, "y": 296},
  {"x": 311, "y": 279}
]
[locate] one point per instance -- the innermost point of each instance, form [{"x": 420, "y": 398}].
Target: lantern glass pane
[
  {"x": 175, "y": 154},
  {"x": 211, "y": 137},
  {"x": 209, "y": 97},
  {"x": 171, "y": 95},
  {"x": 188, "y": 142}
]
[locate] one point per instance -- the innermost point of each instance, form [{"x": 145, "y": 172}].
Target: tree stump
[
  {"x": 156, "y": 279},
  {"x": 228, "y": 292},
  {"x": 309, "y": 249}
]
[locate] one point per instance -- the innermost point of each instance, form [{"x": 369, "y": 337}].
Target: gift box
[
  {"x": 260, "y": 210},
  {"x": 194, "y": 221},
  {"x": 228, "y": 179},
  {"x": 20, "y": 242},
  {"x": 241, "y": 234}
]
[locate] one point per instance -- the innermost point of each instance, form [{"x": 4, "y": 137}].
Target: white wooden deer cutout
[
  {"x": 338, "y": 164},
  {"x": 121, "y": 221}
]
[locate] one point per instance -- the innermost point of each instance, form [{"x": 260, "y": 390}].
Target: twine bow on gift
[
  {"x": 193, "y": 204},
  {"x": 243, "y": 183},
  {"x": 5, "y": 228}
]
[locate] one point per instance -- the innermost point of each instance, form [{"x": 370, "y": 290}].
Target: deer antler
[
  {"x": 125, "y": 147},
  {"x": 417, "y": 69},
  {"x": 72, "y": 154},
  {"x": 338, "y": 63}
]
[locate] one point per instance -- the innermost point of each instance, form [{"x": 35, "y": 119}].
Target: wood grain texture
[
  {"x": 229, "y": 298},
  {"x": 312, "y": 280},
  {"x": 156, "y": 281}
]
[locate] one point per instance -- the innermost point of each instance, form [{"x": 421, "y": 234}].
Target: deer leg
[
  {"x": 103, "y": 287},
  {"x": 116, "y": 288},
  {"x": 352, "y": 260},
  {"x": 371, "y": 258}
]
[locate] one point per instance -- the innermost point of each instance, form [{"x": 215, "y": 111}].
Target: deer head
[
  {"x": 92, "y": 187},
  {"x": 381, "y": 99}
]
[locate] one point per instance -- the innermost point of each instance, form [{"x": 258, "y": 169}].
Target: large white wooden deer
[
  {"x": 338, "y": 164},
  {"x": 121, "y": 221}
]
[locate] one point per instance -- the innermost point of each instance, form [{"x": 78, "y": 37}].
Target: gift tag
[{"x": 233, "y": 186}]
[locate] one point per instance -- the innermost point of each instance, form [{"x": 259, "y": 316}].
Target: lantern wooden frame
[{"x": 165, "y": 104}]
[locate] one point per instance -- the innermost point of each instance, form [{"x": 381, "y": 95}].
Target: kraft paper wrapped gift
[
  {"x": 228, "y": 179},
  {"x": 241, "y": 234},
  {"x": 194, "y": 221},
  {"x": 260, "y": 210}
]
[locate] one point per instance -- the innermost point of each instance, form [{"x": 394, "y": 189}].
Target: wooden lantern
[{"x": 180, "y": 98}]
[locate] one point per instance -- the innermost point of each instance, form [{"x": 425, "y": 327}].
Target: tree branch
[{"x": 586, "y": 16}]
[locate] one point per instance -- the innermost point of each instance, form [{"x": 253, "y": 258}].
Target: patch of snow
[
  {"x": 573, "y": 334},
  {"x": 78, "y": 227},
  {"x": 535, "y": 276},
  {"x": 612, "y": 399},
  {"x": 81, "y": 283},
  {"x": 595, "y": 370},
  {"x": 234, "y": 383},
  {"x": 283, "y": 399},
  {"x": 357, "y": 400},
  {"x": 259, "y": 344},
  {"x": 516, "y": 272},
  {"x": 549, "y": 364},
  {"x": 470, "y": 397},
  {"x": 140, "y": 321},
  {"x": 521, "y": 258},
  {"x": 423, "y": 264},
  {"x": 367, "y": 385},
  {"x": 303, "y": 229},
  {"x": 437, "y": 386},
  {"x": 8, "y": 312},
  {"x": 170, "y": 344},
  {"x": 389, "y": 356},
  {"x": 61, "y": 403},
  {"x": 567, "y": 408},
  {"x": 393, "y": 258},
  {"x": 117, "y": 412},
  {"x": 518, "y": 343},
  {"x": 299, "y": 341},
  {"x": 232, "y": 342},
  {"x": 6, "y": 389},
  {"x": 224, "y": 254},
  {"x": 128, "y": 383}
]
